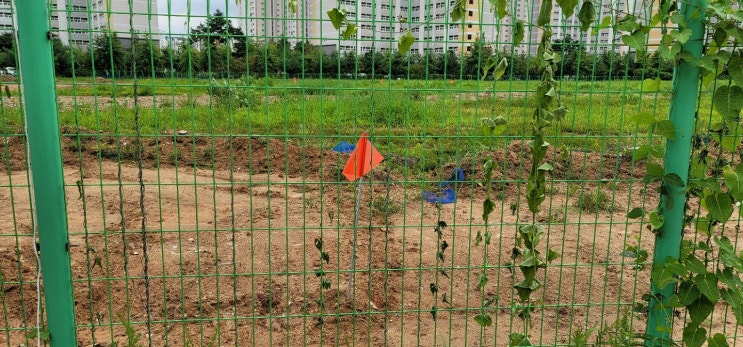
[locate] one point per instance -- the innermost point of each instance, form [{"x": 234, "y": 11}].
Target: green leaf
[
  {"x": 731, "y": 279},
  {"x": 500, "y": 69},
  {"x": 487, "y": 208},
  {"x": 605, "y": 23},
  {"x": 719, "y": 205},
  {"x": 681, "y": 36},
  {"x": 405, "y": 42},
  {"x": 651, "y": 85},
  {"x": 489, "y": 64},
  {"x": 587, "y": 15},
  {"x": 673, "y": 180},
  {"x": 636, "y": 40},
  {"x": 734, "y": 181},
  {"x": 669, "y": 52},
  {"x": 717, "y": 341},
  {"x": 628, "y": 23},
  {"x": 643, "y": 118},
  {"x": 641, "y": 153},
  {"x": 729, "y": 101},
  {"x": 662, "y": 275},
  {"x": 484, "y": 320},
  {"x": 699, "y": 310},
  {"x": 666, "y": 129},
  {"x": 695, "y": 265},
  {"x": 560, "y": 113},
  {"x": 656, "y": 220},
  {"x": 727, "y": 253},
  {"x": 688, "y": 293},
  {"x": 654, "y": 172},
  {"x": 458, "y": 11},
  {"x": 337, "y": 18},
  {"x": 350, "y": 31},
  {"x": 708, "y": 286},
  {"x": 518, "y": 33},
  {"x": 678, "y": 18},
  {"x": 568, "y": 7},
  {"x": 483, "y": 281},
  {"x": 552, "y": 255},
  {"x": 694, "y": 336},
  {"x": 731, "y": 141},
  {"x": 636, "y": 213},
  {"x": 707, "y": 63},
  {"x": 735, "y": 69},
  {"x": 545, "y": 13},
  {"x": 501, "y": 8}
]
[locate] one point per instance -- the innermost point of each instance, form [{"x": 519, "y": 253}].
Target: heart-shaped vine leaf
[
  {"x": 587, "y": 15},
  {"x": 406, "y": 41},
  {"x": 729, "y": 101},
  {"x": 568, "y": 7},
  {"x": 719, "y": 205}
]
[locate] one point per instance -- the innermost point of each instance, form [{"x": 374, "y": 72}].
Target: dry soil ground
[{"x": 231, "y": 254}]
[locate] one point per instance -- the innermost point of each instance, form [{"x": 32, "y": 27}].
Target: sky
[{"x": 179, "y": 9}]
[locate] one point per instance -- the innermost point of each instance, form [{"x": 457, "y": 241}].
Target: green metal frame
[
  {"x": 683, "y": 115},
  {"x": 40, "y": 108}
]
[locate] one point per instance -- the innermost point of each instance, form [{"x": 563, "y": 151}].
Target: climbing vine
[{"x": 708, "y": 270}]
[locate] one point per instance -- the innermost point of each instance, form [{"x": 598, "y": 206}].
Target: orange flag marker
[
  {"x": 294, "y": 80},
  {"x": 363, "y": 159}
]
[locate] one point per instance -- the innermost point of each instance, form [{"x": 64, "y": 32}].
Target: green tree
[
  {"x": 7, "y": 50},
  {"x": 62, "y": 58},
  {"x": 475, "y": 59},
  {"x": 109, "y": 54},
  {"x": 219, "y": 30},
  {"x": 148, "y": 57}
]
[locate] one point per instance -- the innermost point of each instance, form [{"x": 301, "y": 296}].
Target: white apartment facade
[
  {"x": 380, "y": 23},
  {"x": 77, "y": 22}
]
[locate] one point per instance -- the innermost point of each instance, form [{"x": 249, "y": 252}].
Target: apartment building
[
  {"x": 380, "y": 23},
  {"x": 605, "y": 39},
  {"x": 77, "y": 22},
  {"x": 269, "y": 19}
]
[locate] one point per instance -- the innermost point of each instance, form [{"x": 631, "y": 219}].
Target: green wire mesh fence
[{"x": 203, "y": 147}]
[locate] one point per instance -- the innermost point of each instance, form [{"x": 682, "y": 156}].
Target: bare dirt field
[{"x": 231, "y": 256}]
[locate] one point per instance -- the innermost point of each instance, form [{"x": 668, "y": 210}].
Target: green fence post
[
  {"x": 40, "y": 106},
  {"x": 682, "y": 113}
]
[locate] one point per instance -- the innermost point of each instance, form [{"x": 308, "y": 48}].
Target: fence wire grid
[{"x": 203, "y": 145}]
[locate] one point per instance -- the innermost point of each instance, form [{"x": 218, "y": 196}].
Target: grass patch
[{"x": 594, "y": 202}]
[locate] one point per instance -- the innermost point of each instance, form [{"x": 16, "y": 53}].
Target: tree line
[{"x": 217, "y": 48}]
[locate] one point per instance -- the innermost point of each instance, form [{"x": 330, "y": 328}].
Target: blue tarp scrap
[
  {"x": 456, "y": 176},
  {"x": 446, "y": 195},
  {"x": 344, "y": 147}
]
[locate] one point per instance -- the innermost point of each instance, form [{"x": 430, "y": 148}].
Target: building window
[
  {"x": 470, "y": 13},
  {"x": 385, "y": 17},
  {"x": 365, "y": 4},
  {"x": 469, "y": 49},
  {"x": 385, "y": 7},
  {"x": 469, "y": 26},
  {"x": 469, "y": 36},
  {"x": 472, "y": 2}
]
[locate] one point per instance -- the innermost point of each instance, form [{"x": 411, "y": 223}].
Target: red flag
[
  {"x": 363, "y": 159},
  {"x": 294, "y": 80}
]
